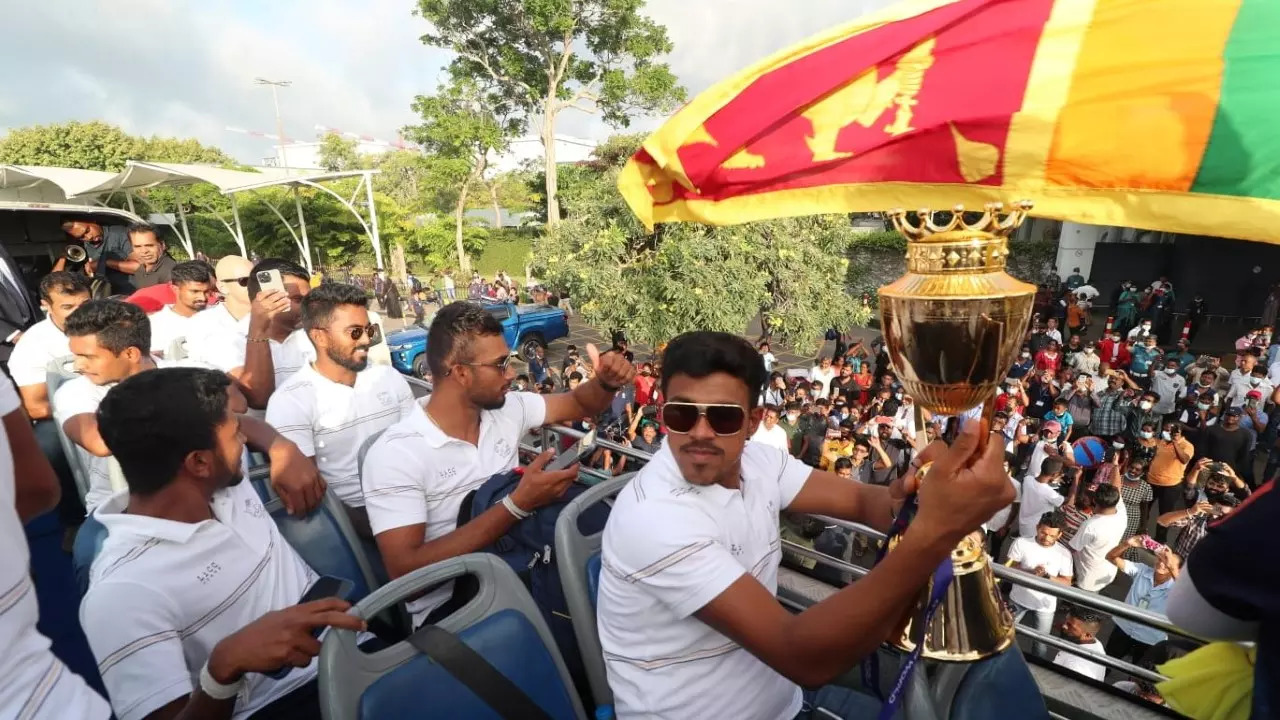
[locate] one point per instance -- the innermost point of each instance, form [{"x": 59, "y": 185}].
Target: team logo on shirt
[
  {"x": 501, "y": 447},
  {"x": 253, "y": 507},
  {"x": 735, "y": 549},
  {"x": 209, "y": 571},
  {"x": 386, "y": 399}
]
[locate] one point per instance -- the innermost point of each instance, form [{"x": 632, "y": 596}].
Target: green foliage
[
  {"x": 688, "y": 276},
  {"x": 506, "y": 250},
  {"x": 98, "y": 146},
  {"x": 338, "y": 153}
]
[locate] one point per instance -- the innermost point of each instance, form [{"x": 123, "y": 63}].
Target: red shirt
[
  {"x": 1046, "y": 362},
  {"x": 154, "y": 298},
  {"x": 1114, "y": 354},
  {"x": 644, "y": 389}
]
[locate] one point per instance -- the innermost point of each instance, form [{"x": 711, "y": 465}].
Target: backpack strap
[{"x": 471, "y": 669}]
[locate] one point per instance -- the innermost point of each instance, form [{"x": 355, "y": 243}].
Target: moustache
[{"x": 702, "y": 447}]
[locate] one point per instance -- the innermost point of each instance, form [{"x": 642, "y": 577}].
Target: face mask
[
  {"x": 1118, "y": 446},
  {"x": 1171, "y": 371},
  {"x": 1255, "y": 382},
  {"x": 792, "y": 417},
  {"x": 1133, "y": 476},
  {"x": 1145, "y": 327},
  {"x": 1088, "y": 351},
  {"x": 1115, "y": 338},
  {"x": 1166, "y": 436},
  {"x": 898, "y": 395},
  {"x": 1144, "y": 405},
  {"x": 1026, "y": 355},
  {"x": 1203, "y": 406},
  {"x": 1215, "y": 496},
  {"x": 1146, "y": 435}
]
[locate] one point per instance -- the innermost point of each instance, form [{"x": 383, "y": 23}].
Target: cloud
[{"x": 186, "y": 69}]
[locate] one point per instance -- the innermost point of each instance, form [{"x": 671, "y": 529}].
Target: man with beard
[
  {"x": 417, "y": 473},
  {"x": 108, "y": 248},
  {"x": 1080, "y": 627},
  {"x": 191, "y": 283},
  {"x": 1226, "y": 441},
  {"x": 194, "y": 595},
  {"x": 331, "y": 407}
]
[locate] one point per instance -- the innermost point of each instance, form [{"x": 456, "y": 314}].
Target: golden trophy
[{"x": 953, "y": 325}]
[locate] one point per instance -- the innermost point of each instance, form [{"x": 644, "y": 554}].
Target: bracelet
[
  {"x": 258, "y": 340},
  {"x": 516, "y": 511},
  {"x": 217, "y": 690},
  {"x": 607, "y": 387}
]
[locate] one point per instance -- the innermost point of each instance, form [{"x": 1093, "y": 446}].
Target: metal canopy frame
[{"x": 139, "y": 175}]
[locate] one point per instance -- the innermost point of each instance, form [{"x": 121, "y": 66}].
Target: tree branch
[{"x": 498, "y": 77}]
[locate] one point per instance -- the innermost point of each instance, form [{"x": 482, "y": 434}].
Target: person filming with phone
[
  {"x": 194, "y": 603},
  {"x": 1149, "y": 591},
  {"x": 417, "y": 474}
]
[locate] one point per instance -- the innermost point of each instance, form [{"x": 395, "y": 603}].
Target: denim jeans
[{"x": 1043, "y": 622}]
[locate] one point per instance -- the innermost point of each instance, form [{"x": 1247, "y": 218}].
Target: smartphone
[
  {"x": 1151, "y": 545},
  {"x": 270, "y": 280},
  {"x": 326, "y": 587},
  {"x": 578, "y": 452}
]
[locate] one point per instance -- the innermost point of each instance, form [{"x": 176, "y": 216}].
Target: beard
[
  {"x": 490, "y": 403},
  {"x": 349, "y": 361}
]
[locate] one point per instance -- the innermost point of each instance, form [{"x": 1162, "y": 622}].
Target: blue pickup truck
[{"x": 525, "y": 327}]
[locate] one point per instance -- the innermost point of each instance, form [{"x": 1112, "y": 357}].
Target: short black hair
[
  {"x": 153, "y": 420},
  {"x": 452, "y": 331},
  {"x": 1088, "y": 616},
  {"x": 1055, "y": 519},
  {"x": 1106, "y": 496},
  {"x": 191, "y": 271},
  {"x": 319, "y": 304},
  {"x": 142, "y": 227},
  {"x": 843, "y": 463},
  {"x": 116, "y": 324},
  {"x": 285, "y": 267},
  {"x": 1051, "y": 466},
  {"x": 62, "y": 282},
  {"x": 701, "y": 353},
  {"x": 575, "y": 375}
]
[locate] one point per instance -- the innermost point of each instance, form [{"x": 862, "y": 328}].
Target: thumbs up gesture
[{"x": 611, "y": 369}]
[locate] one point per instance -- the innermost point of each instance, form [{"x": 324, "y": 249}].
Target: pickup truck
[{"x": 525, "y": 328}]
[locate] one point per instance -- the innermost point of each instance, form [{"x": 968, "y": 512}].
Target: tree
[
  {"x": 688, "y": 276},
  {"x": 338, "y": 153},
  {"x": 589, "y": 55},
  {"x": 462, "y": 124}
]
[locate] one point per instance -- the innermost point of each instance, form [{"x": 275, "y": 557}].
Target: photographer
[
  {"x": 643, "y": 431},
  {"x": 1222, "y": 492}
]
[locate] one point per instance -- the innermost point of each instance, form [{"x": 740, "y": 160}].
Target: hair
[
  {"x": 141, "y": 227},
  {"x": 116, "y": 324},
  {"x": 773, "y": 409},
  {"x": 62, "y": 282},
  {"x": 1148, "y": 394},
  {"x": 793, "y": 405},
  {"x": 843, "y": 463},
  {"x": 1051, "y": 466},
  {"x": 1060, "y": 401},
  {"x": 701, "y": 353},
  {"x": 1055, "y": 519},
  {"x": 451, "y": 334},
  {"x": 285, "y": 267},
  {"x": 319, "y": 304},
  {"x": 1106, "y": 496},
  {"x": 1088, "y": 616},
  {"x": 152, "y": 421},
  {"x": 575, "y": 375},
  {"x": 522, "y": 378},
  {"x": 191, "y": 271}
]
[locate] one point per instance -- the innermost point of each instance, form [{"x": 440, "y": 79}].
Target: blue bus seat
[
  {"x": 88, "y": 544},
  {"x": 327, "y": 542},
  {"x": 579, "y": 566},
  {"x": 501, "y": 623}
]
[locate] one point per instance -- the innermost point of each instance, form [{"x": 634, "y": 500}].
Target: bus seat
[
  {"x": 500, "y": 622},
  {"x": 579, "y": 565},
  {"x": 327, "y": 542},
  {"x": 88, "y": 544},
  {"x": 364, "y": 450},
  {"x": 58, "y": 372},
  {"x": 964, "y": 691}
]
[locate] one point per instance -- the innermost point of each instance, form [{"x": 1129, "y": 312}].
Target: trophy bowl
[{"x": 953, "y": 325}]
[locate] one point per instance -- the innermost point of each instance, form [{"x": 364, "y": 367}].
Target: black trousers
[
  {"x": 1121, "y": 646},
  {"x": 1165, "y": 499}
]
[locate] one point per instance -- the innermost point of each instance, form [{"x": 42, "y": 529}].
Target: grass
[{"x": 507, "y": 250}]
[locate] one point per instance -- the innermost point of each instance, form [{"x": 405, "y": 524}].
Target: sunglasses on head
[{"x": 681, "y": 417}]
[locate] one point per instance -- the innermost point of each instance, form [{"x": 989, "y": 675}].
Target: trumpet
[{"x": 75, "y": 253}]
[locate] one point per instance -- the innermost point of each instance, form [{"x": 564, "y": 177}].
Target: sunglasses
[
  {"x": 241, "y": 281},
  {"x": 373, "y": 332},
  {"x": 500, "y": 365},
  {"x": 681, "y": 417}
]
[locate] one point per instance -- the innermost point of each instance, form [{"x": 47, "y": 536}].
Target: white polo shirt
[
  {"x": 35, "y": 683},
  {"x": 163, "y": 593},
  {"x": 669, "y": 549},
  {"x": 167, "y": 326},
  {"x": 1027, "y": 554},
  {"x": 41, "y": 344},
  {"x": 415, "y": 474},
  {"x": 209, "y": 324},
  {"x": 1096, "y": 537},
  {"x": 777, "y": 437},
  {"x": 331, "y": 421},
  {"x": 1087, "y": 668},
  {"x": 226, "y": 351}
]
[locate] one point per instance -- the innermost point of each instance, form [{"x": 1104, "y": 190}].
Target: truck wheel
[
  {"x": 530, "y": 345},
  {"x": 420, "y": 369}
]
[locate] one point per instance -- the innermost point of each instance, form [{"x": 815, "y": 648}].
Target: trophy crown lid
[{"x": 991, "y": 223}]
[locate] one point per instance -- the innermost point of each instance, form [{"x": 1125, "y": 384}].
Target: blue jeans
[{"x": 1043, "y": 623}]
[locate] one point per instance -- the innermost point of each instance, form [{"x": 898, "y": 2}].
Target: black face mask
[{"x": 1215, "y": 497}]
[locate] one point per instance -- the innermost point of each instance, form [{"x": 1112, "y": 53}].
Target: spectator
[
  {"x": 333, "y": 408},
  {"x": 46, "y": 341},
  {"x": 1141, "y": 332},
  {"x": 1149, "y": 591},
  {"x": 1076, "y": 509},
  {"x": 1137, "y": 497},
  {"x": 1005, "y": 519},
  {"x": 1042, "y": 556},
  {"x": 1221, "y": 494},
  {"x": 1081, "y": 627},
  {"x": 1207, "y": 372},
  {"x": 839, "y": 443},
  {"x": 471, "y": 427},
  {"x": 1050, "y": 359},
  {"x": 844, "y": 468},
  {"x": 231, "y": 279},
  {"x": 645, "y": 381},
  {"x": 767, "y": 356},
  {"x": 275, "y": 347},
  {"x": 822, "y": 373},
  {"x": 1087, "y": 361},
  {"x": 723, "y": 589},
  {"x": 1145, "y": 414},
  {"x": 36, "y": 683},
  {"x": 643, "y": 434},
  {"x": 149, "y": 263},
  {"x": 893, "y": 455},
  {"x": 1228, "y": 591},
  {"x": 1242, "y": 380},
  {"x": 108, "y": 250},
  {"x": 192, "y": 282},
  {"x": 1046, "y": 446},
  {"x": 1183, "y": 356},
  {"x": 1051, "y": 330},
  {"x": 1062, "y": 417},
  {"x": 1040, "y": 394},
  {"x": 1080, "y": 405},
  {"x": 1168, "y": 386},
  {"x": 163, "y": 637},
  {"x": 1144, "y": 447},
  {"x": 1023, "y": 365},
  {"x": 1039, "y": 496},
  {"x": 1145, "y": 356},
  {"x": 1168, "y": 467},
  {"x": 1097, "y": 535},
  {"x": 1226, "y": 441},
  {"x": 538, "y": 364},
  {"x": 769, "y": 432},
  {"x": 813, "y": 432}
]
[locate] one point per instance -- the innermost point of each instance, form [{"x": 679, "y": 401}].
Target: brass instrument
[
  {"x": 953, "y": 325},
  {"x": 75, "y": 253}
]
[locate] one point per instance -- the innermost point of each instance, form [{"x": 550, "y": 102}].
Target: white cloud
[{"x": 186, "y": 69}]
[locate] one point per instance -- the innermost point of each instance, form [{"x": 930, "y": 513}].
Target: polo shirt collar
[{"x": 117, "y": 522}]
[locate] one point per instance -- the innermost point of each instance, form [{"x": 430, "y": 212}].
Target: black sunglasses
[
  {"x": 241, "y": 281},
  {"x": 373, "y": 331},
  {"x": 501, "y": 365},
  {"x": 681, "y": 417}
]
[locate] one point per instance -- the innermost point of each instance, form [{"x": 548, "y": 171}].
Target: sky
[{"x": 184, "y": 69}]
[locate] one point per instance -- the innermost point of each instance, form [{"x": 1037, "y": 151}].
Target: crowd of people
[{"x": 192, "y": 606}]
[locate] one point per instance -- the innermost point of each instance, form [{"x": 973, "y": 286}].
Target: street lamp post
[{"x": 275, "y": 99}]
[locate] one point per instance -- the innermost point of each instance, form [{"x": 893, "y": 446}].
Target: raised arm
[{"x": 593, "y": 396}]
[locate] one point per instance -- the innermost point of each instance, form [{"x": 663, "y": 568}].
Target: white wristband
[
  {"x": 516, "y": 511},
  {"x": 217, "y": 690}
]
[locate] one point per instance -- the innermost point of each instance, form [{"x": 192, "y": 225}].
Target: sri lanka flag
[{"x": 1159, "y": 114}]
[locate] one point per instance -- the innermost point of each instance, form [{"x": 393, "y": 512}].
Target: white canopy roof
[
  {"x": 70, "y": 182},
  {"x": 139, "y": 174}
]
